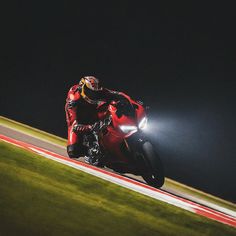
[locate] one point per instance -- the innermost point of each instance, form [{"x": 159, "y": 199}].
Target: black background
[{"x": 180, "y": 59}]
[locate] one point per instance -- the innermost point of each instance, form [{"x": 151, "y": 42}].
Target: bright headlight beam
[
  {"x": 128, "y": 128},
  {"x": 143, "y": 123}
]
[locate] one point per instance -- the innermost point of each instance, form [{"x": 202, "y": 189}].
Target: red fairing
[
  {"x": 113, "y": 139},
  {"x": 126, "y": 120}
]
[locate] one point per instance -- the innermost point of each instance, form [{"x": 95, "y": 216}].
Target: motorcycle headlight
[
  {"x": 143, "y": 123},
  {"x": 128, "y": 128}
]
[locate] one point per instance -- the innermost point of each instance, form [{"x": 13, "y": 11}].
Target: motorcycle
[{"x": 123, "y": 146}]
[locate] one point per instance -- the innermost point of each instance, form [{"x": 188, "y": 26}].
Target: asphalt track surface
[{"x": 16, "y": 135}]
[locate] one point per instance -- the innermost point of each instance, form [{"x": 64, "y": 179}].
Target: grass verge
[
  {"x": 32, "y": 131},
  {"x": 182, "y": 188},
  {"x": 41, "y": 197}
]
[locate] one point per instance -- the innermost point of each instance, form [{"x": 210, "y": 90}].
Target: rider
[{"x": 84, "y": 109}]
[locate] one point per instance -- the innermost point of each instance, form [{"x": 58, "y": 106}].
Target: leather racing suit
[{"x": 82, "y": 114}]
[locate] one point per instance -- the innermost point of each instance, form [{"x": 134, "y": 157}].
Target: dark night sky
[{"x": 179, "y": 59}]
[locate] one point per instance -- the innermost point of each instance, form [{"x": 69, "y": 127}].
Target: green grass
[
  {"x": 41, "y": 197},
  {"x": 60, "y": 141}
]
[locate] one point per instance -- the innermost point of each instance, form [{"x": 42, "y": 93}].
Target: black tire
[{"x": 154, "y": 175}]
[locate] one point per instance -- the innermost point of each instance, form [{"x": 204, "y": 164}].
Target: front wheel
[{"x": 154, "y": 171}]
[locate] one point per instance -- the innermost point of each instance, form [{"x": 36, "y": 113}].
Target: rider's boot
[{"x": 94, "y": 155}]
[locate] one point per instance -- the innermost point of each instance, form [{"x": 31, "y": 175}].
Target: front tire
[{"x": 154, "y": 171}]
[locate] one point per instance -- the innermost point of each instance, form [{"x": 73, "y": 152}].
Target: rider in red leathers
[{"x": 85, "y": 108}]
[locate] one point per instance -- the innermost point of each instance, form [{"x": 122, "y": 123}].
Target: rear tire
[{"x": 154, "y": 173}]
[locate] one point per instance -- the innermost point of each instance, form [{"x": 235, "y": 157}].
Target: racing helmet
[{"x": 90, "y": 89}]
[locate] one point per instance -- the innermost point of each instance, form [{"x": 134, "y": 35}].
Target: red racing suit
[{"x": 81, "y": 113}]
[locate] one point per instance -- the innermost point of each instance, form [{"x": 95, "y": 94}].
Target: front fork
[
  {"x": 134, "y": 146},
  {"x": 135, "y": 141}
]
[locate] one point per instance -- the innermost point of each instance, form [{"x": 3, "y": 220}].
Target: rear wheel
[{"x": 154, "y": 172}]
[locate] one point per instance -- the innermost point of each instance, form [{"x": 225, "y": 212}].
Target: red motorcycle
[{"x": 123, "y": 145}]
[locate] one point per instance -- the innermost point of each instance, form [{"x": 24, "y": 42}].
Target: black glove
[
  {"x": 101, "y": 124},
  {"x": 97, "y": 126},
  {"x": 78, "y": 128}
]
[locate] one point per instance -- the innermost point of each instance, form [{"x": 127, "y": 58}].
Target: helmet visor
[{"x": 92, "y": 94}]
